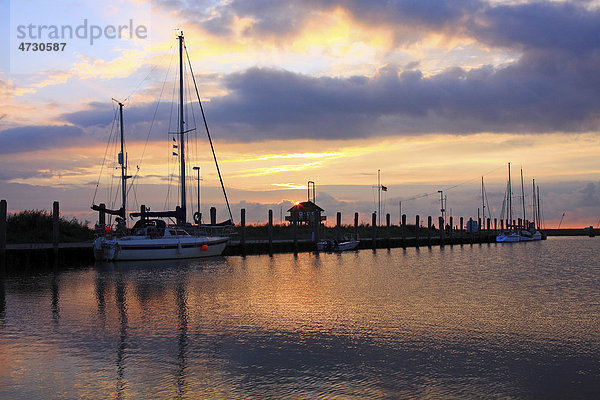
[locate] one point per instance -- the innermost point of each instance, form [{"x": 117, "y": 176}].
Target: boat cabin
[
  {"x": 154, "y": 228},
  {"x": 304, "y": 212}
]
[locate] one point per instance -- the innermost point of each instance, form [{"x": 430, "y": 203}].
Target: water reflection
[
  {"x": 2, "y": 300},
  {"x": 182, "y": 313},
  {"x": 55, "y": 307},
  {"x": 461, "y": 321},
  {"x": 121, "y": 302}
]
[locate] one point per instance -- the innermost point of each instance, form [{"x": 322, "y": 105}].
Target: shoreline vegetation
[{"x": 35, "y": 226}]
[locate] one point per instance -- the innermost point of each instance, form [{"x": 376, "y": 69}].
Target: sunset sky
[{"x": 435, "y": 94}]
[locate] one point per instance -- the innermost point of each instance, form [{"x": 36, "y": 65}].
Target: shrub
[{"x": 35, "y": 226}]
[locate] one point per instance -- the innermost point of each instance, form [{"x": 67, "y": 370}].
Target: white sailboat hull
[
  {"x": 508, "y": 238},
  {"x": 341, "y": 246},
  {"x": 130, "y": 248}
]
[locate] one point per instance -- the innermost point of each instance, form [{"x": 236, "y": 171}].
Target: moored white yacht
[{"x": 151, "y": 238}]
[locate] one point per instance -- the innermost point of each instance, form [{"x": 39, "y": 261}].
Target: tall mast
[
  {"x": 379, "y": 197},
  {"x": 539, "y": 214},
  {"x": 482, "y": 199},
  {"x": 181, "y": 133},
  {"x": 533, "y": 206},
  {"x": 509, "y": 198},
  {"x": 122, "y": 162},
  {"x": 523, "y": 199}
]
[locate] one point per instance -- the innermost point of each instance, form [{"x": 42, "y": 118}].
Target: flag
[{"x": 384, "y": 188}]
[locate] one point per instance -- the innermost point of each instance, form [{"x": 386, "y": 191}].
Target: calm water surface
[{"x": 484, "y": 321}]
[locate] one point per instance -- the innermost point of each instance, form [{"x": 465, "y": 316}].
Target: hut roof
[{"x": 305, "y": 206}]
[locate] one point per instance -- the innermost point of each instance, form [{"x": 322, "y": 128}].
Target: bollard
[
  {"x": 55, "y": 231},
  {"x": 451, "y": 231},
  {"x": 495, "y": 226},
  {"x": 461, "y": 227},
  {"x": 213, "y": 216},
  {"x": 295, "y": 231},
  {"x": 441, "y": 225},
  {"x": 387, "y": 230},
  {"x": 417, "y": 230},
  {"x": 55, "y": 225},
  {"x": 243, "y": 230},
  {"x": 270, "y": 231},
  {"x": 374, "y": 230},
  {"x": 317, "y": 224},
  {"x": 429, "y": 231},
  {"x": 356, "y": 225},
  {"x": 3, "y": 208},
  {"x": 471, "y": 229},
  {"x": 403, "y": 229},
  {"x": 338, "y": 226},
  {"x": 102, "y": 215}
]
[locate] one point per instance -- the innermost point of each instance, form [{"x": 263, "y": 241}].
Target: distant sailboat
[
  {"x": 508, "y": 235},
  {"x": 525, "y": 231}
]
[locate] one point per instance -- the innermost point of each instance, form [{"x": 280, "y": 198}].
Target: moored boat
[
  {"x": 151, "y": 238},
  {"x": 336, "y": 246}
]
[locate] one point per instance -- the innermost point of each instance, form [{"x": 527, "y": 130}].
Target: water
[{"x": 484, "y": 321}]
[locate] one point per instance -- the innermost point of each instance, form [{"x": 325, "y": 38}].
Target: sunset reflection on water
[{"x": 464, "y": 321}]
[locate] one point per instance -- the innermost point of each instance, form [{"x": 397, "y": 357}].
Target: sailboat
[
  {"x": 529, "y": 230},
  {"x": 508, "y": 236},
  {"x": 151, "y": 238}
]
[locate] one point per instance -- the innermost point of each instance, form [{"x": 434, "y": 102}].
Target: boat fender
[
  {"x": 197, "y": 217},
  {"x": 204, "y": 247}
]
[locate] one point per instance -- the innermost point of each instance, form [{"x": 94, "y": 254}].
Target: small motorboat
[{"x": 335, "y": 245}]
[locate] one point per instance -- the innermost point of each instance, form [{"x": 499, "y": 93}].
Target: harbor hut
[{"x": 304, "y": 212}]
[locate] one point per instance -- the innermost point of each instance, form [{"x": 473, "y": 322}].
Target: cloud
[
  {"x": 283, "y": 19},
  {"x": 276, "y": 104},
  {"x": 551, "y": 26},
  {"x": 589, "y": 196},
  {"x": 31, "y": 138}
]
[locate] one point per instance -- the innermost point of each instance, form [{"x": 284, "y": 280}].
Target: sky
[{"x": 433, "y": 94}]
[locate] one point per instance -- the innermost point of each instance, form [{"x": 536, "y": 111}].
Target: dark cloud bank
[{"x": 552, "y": 87}]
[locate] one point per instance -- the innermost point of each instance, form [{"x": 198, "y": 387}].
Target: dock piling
[
  {"x": 417, "y": 230},
  {"x": 55, "y": 225},
  {"x": 471, "y": 230},
  {"x": 243, "y": 230},
  {"x": 374, "y": 230},
  {"x": 387, "y": 230},
  {"x": 270, "y": 232},
  {"x": 403, "y": 230},
  {"x": 338, "y": 226},
  {"x": 429, "y": 231},
  {"x": 295, "y": 231},
  {"x": 213, "y": 216},
  {"x": 3, "y": 208}
]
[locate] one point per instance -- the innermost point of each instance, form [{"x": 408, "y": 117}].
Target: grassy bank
[{"x": 35, "y": 226}]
